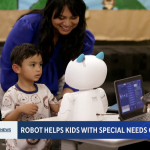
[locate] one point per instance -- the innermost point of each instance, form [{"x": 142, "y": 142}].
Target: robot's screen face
[{"x": 89, "y": 73}]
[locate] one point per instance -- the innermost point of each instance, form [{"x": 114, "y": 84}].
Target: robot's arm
[
  {"x": 66, "y": 106},
  {"x": 103, "y": 97}
]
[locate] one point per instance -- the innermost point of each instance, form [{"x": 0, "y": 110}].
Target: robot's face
[{"x": 86, "y": 72}]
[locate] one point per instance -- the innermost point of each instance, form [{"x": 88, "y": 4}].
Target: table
[{"x": 112, "y": 144}]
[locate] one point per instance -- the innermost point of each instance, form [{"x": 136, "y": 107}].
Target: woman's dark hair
[{"x": 72, "y": 44}]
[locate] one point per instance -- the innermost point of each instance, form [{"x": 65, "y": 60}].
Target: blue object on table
[{"x": 113, "y": 108}]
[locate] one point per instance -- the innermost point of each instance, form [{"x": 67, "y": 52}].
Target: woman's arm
[
  {"x": 22, "y": 32},
  {"x": 66, "y": 90},
  {"x": 88, "y": 43}
]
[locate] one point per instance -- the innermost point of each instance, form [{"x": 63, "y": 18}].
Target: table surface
[
  {"x": 107, "y": 117},
  {"x": 111, "y": 143}
]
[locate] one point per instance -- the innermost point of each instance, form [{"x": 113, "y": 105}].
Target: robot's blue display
[{"x": 85, "y": 73}]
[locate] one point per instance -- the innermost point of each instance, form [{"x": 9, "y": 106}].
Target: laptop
[{"x": 128, "y": 95}]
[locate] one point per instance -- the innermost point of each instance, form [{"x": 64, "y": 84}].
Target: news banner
[{"x": 75, "y": 129}]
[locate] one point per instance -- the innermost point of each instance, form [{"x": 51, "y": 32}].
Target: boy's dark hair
[{"x": 23, "y": 51}]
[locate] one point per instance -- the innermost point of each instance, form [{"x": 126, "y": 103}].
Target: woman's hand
[{"x": 29, "y": 109}]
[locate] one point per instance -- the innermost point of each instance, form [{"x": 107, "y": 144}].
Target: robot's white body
[
  {"x": 84, "y": 73},
  {"x": 83, "y": 105}
]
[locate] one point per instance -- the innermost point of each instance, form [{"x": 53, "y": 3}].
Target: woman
[{"x": 59, "y": 31}]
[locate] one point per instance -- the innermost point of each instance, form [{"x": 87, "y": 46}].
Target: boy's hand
[
  {"x": 56, "y": 113},
  {"x": 29, "y": 109}
]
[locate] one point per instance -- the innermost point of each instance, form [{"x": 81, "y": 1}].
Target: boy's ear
[{"x": 16, "y": 68}]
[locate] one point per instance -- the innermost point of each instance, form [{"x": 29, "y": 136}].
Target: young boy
[{"x": 26, "y": 100}]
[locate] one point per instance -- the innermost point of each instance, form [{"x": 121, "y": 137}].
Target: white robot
[{"x": 85, "y": 73}]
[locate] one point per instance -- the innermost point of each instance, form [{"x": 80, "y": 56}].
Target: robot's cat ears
[
  {"x": 100, "y": 55},
  {"x": 81, "y": 58}
]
